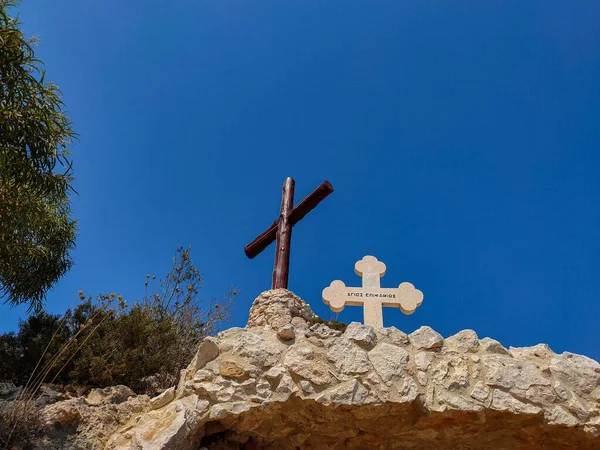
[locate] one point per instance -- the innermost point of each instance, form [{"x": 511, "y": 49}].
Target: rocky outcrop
[
  {"x": 87, "y": 422},
  {"x": 313, "y": 387},
  {"x": 62, "y": 417}
]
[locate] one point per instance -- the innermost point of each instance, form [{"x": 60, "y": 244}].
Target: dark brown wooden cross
[{"x": 281, "y": 229}]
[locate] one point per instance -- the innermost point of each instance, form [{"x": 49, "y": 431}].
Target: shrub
[
  {"x": 333, "y": 324},
  {"x": 20, "y": 352},
  {"x": 105, "y": 341}
]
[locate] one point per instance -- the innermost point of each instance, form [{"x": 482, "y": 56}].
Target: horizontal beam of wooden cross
[{"x": 307, "y": 204}]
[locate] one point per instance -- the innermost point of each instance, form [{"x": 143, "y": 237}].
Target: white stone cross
[{"x": 372, "y": 297}]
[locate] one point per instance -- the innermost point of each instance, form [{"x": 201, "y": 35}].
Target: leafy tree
[{"x": 37, "y": 232}]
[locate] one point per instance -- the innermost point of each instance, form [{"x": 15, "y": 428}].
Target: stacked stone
[
  {"x": 277, "y": 308},
  {"x": 314, "y": 387}
]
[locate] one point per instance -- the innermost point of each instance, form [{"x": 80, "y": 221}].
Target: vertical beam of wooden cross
[
  {"x": 281, "y": 229},
  {"x": 281, "y": 268}
]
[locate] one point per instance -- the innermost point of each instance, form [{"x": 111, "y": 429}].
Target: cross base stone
[{"x": 278, "y": 307}]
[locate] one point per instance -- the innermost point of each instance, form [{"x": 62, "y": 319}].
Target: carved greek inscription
[{"x": 370, "y": 294}]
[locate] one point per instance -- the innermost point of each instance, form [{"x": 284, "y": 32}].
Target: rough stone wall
[
  {"x": 279, "y": 383},
  {"x": 278, "y": 308}
]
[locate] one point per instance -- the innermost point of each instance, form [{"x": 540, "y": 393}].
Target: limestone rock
[
  {"x": 451, "y": 373},
  {"x": 307, "y": 362},
  {"x": 561, "y": 390},
  {"x": 203, "y": 375},
  {"x": 363, "y": 335},
  {"x": 230, "y": 368},
  {"x": 578, "y": 409},
  {"x": 286, "y": 388},
  {"x": 323, "y": 390},
  {"x": 307, "y": 387},
  {"x": 172, "y": 428},
  {"x": 286, "y": 332},
  {"x": 423, "y": 360},
  {"x": 256, "y": 350},
  {"x": 91, "y": 425},
  {"x": 535, "y": 353},
  {"x": 274, "y": 373},
  {"x": 523, "y": 379},
  {"x": 503, "y": 401},
  {"x": 112, "y": 394},
  {"x": 558, "y": 416},
  {"x": 490, "y": 345},
  {"x": 300, "y": 323},
  {"x": 225, "y": 410},
  {"x": 480, "y": 392},
  {"x": 392, "y": 335},
  {"x": 463, "y": 341},
  {"x": 409, "y": 391},
  {"x": 264, "y": 389},
  {"x": 580, "y": 373},
  {"x": 450, "y": 400},
  {"x": 163, "y": 399},
  {"x": 208, "y": 350},
  {"x": 510, "y": 373},
  {"x": 389, "y": 361},
  {"x": 348, "y": 357},
  {"x": 65, "y": 414},
  {"x": 322, "y": 331},
  {"x": 426, "y": 338},
  {"x": 348, "y": 393}
]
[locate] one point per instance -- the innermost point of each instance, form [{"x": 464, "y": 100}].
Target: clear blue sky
[{"x": 462, "y": 138}]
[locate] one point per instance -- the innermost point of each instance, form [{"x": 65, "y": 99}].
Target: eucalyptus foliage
[{"x": 37, "y": 232}]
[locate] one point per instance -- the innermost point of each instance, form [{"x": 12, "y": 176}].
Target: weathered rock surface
[
  {"x": 112, "y": 394},
  {"x": 278, "y": 308},
  {"x": 426, "y": 338},
  {"x": 366, "y": 388},
  {"x": 78, "y": 424},
  {"x": 314, "y": 388}
]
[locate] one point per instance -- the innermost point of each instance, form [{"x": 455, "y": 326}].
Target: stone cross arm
[{"x": 405, "y": 296}]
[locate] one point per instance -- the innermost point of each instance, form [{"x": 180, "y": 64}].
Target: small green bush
[{"x": 333, "y": 324}]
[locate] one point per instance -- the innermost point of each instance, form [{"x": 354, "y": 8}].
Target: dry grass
[
  {"x": 20, "y": 422},
  {"x": 20, "y": 425}
]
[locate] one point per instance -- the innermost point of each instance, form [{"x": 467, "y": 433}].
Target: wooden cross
[
  {"x": 371, "y": 296},
  {"x": 281, "y": 229}
]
